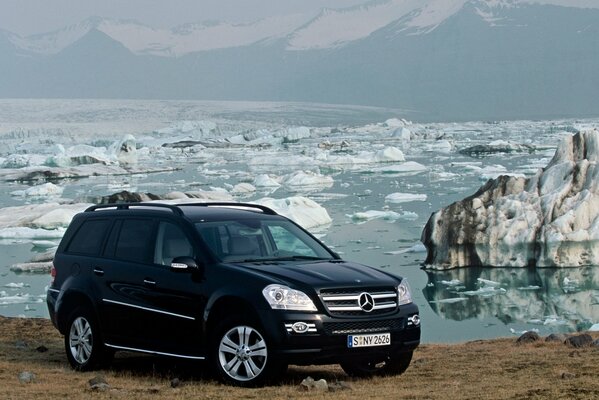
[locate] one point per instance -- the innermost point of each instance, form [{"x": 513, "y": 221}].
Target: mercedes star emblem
[{"x": 366, "y": 302}]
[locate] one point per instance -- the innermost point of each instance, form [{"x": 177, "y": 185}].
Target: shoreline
[{"x": 480, "y": 369}]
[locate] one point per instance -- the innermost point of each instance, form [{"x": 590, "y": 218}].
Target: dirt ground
[{"x": 489, "y": 369}]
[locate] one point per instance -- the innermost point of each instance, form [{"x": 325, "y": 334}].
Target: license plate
[{"x": 378, "y": 339}]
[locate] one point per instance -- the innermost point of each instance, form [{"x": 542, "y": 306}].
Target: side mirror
[{"x": 185, "y": 264}]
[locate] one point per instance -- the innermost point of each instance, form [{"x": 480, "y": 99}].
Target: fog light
[
  {"x": 300, "y": 327},
  {"x": 414, "y": 320}
]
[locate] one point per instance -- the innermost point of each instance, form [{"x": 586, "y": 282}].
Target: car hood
[{"x": 323, "y": 274}]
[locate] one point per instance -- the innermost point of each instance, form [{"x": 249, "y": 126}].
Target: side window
[
  {"x": 289, "y": 244},
  {"x": 171, "y": 242},
  {"x": 135, "y": 241},
  {"x": 88, "y": 239}
]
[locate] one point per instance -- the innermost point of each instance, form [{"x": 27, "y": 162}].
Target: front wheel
[
  {"x": 84, "y": 348},
  {"x": 241, "y": 354},
  {"x": 395, "y": 365}
]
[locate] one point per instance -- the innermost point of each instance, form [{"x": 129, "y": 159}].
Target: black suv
[{"x": 236, "y": 284}]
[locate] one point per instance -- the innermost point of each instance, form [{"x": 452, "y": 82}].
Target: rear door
[{"x": 151, "y": 307}]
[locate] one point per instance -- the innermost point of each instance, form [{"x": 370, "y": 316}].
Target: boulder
[
  {"x": 579, "y": 340},
  {"x": 548, "y": 220},
  {"x": 556, "y": 337},
  {"x": 27, "y": 377},
  {"x": 528, "y": 337}
]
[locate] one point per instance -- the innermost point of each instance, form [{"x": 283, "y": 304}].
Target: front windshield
[{"x": 260, "y": 240}]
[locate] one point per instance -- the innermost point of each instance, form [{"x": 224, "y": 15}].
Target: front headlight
[
  {"x": 284, "y": 298},
  {"x": 404, "y": 293}
]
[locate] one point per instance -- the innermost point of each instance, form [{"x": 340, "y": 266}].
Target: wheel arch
[
  {"x": 69, "y": 302},
  {"x": 227, "y": 306}
]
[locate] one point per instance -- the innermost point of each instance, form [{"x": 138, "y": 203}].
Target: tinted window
[
  {"x": 88, "y": 239},
  {"x": 135, "y": 241},
  {"x": 171, "y": 242}
]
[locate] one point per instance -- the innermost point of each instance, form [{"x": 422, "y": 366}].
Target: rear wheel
[
  {"x": 241, "y": 355},
  {"x": 395, "y": 365},
  {"x": 83, "y": 344}
]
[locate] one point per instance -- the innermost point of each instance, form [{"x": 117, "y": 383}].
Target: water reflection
[{"x": 564, "y": 299}]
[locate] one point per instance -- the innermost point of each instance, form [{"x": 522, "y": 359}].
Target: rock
[
  {"x": 128, "y": 197},
  {"x": 556, "y": 337},
  {"x": 310, "y": 384},
  {"x": 21, "y": 344},
  {"x": 528, "y": 337},
  {"x": 41, "y": 349},
  {"x": 548, "y": 220},
  {"x": 567, "y": 375},
  {"x": 175, "y": 383},
  {"x": 595, "y": 343},
  {"x": 338, "y": 386},
  {"x": 27, "y": 377},
  {"x": 99, "y": 384},
  {"x": 579, "y": 340}
]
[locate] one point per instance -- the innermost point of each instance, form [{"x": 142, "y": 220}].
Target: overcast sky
[{"x": 26, "y": 17}]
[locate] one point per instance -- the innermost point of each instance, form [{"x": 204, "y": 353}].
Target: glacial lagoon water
[{"x": 456, "y": 305}]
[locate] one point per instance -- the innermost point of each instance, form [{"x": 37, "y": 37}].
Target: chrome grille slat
[{"x": 344, "y": 301}]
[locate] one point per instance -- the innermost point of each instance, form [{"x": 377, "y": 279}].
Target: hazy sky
[{"x": 26, "y": 17}]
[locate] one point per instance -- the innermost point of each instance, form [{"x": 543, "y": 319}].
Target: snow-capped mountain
[
  {"x": 332, "y": 28},
  {"x": 143, "y": 39},
  {"x": 444, "y": 59}
]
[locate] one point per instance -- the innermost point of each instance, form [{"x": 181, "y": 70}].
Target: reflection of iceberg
[{"x": 555, "y": 298}]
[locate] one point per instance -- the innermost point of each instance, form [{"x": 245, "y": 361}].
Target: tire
[
  {"x": 241, "y": 356},
  {"x": 395, "y": 365},
  {"x": 83, "y": 343}
]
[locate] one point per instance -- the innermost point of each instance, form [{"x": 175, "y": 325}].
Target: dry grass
[{"x": 493, "y": 369}]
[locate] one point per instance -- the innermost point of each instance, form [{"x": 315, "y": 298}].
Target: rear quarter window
[
  {"x": 135, "y": 242},
  {"x": 89, "y": 237}
]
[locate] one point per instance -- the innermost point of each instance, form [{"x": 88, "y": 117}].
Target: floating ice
[
  {"x": 487, "y": 282},
  {"x": 46, "y": 189},
  {"x": 453, "y": 282},
  {"x": 417, "y": 248},
  {"x": 404, "y": 197},
  {"x": 19, "y": 285},
  {"x": 450, "y": 300},
  {"x": 125, "y": 151},
  {"x": 46, "y": 216},
  {"x": 301, "y": 210},
  {"x": 32, "y": 267},
  {"x": 364, "y": 216},
  {"x": 197, "y": 129},
  {"x": 548, "y": 220},
  {"x": 265, "y": 180},
  {"x": 6, "y": 299},
  {"x": 294, "y": 134},
  {"x": 529, "y": 287},
  {"x": 244, "y": 187},
  {"x": 389, "y": 154},
  {"x": 80, "y": 154},
  {"x": 519, "y": 333},
  {"x": 15, "y": 161},
  {"x": 29, "y": 233},
  {"x": 308, "y": 178},
  {"x": 410, "y": 167},
  {"x": 594, "y": 328}
]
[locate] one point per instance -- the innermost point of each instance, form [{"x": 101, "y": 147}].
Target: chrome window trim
[
  {"x": 154, "y": 352},
  {"x": 149, "y": 309},
  {"x": 53, "y": 290}
]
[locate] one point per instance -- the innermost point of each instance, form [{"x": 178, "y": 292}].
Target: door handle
[
  {"x": 98, "y": 271},
  {"x": 149, "y": 282}
]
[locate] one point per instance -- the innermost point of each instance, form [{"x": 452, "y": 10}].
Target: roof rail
[
  {"x": 175, "y": 207},
  {"x": 126, "y": 206},
  {"x": 264, "y": 209}
]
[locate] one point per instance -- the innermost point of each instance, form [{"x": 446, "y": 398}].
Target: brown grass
[{"x": 490, "y": 369}]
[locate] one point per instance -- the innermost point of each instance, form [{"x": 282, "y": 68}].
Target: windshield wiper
[{"x": 285, "y": 258}]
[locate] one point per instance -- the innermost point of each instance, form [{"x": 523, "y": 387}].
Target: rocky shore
[{"x": 33, "y": 365}]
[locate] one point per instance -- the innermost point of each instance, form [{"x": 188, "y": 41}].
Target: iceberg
[
  {"x": 299, "y": 209},
  {"x": 548, "y": 220},
  {"x": 404, "y": 197},
  {"x": 44, "y": 190}
]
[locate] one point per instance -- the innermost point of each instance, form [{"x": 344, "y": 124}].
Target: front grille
[
  {"x": 344, "y": 328},
  {"x": 346, "y": 302}
]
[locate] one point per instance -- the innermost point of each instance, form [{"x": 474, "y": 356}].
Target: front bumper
[{"x": 327, "y": 343}]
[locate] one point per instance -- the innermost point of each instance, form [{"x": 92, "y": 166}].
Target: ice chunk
[
  {"x": 16, "y": 161},
  {"x": 126, "y": 151},
  {"x": 417, "y": 248},
  {"x": 243, "y": 188},
  {"x": 308, "y": 178},
  {"x": 46, "y": 189},
  {"x": 364, "y": 216},
  {"x": 594, "y": 328},
  {"x": 453, "y": 282},
  {"x": 411, "y": 167},
  {"x": 265, "y": 180},
  {"x": 6, "y": 299},
  {"x": 29, "y": 233},
  {"x": 301, "y": 210},
  {"x": 19, "y": 285},
  {"x": 404, "y": 197},
  {"x": 294, "y": 134},
  {"x": 389, "y": 154},
  {"x": 403, "y": 133}
]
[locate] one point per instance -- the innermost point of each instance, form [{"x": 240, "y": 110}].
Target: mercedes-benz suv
[{"x": 235, "y": 284}]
